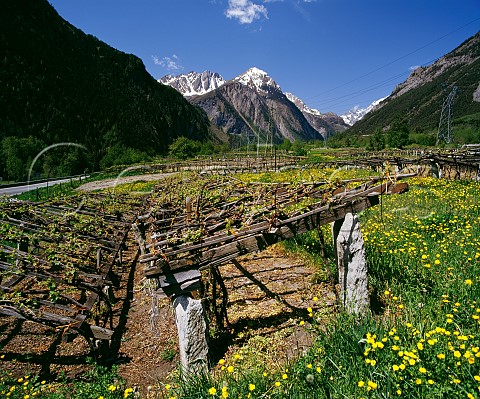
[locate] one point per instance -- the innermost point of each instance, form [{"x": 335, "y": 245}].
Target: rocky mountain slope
[
  {"x": 327, "y": 124},
  {"x": 253, "y": 106},
  {"x": 243, "y": 122},
  {"x": 418, "y": 101}
]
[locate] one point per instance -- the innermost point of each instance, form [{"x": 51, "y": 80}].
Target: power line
[{"x": 388, "y": 64}]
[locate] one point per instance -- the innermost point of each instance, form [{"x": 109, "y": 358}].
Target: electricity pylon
[{"x": 445, "y": 127}]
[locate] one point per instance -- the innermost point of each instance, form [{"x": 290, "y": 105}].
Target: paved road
[{"x": 29, "y": 187}]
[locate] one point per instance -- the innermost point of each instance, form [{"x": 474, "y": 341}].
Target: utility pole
[{"x": 445, "y": 127}]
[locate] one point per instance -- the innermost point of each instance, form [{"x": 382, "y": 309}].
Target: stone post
[
  {"x": 349, "y": 250},
  {"x": 192, "y": 334}
]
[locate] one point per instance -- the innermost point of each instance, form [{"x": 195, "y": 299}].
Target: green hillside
[
  {"x": 58, "y": 84},
  {"x": 419, "y": 108}
]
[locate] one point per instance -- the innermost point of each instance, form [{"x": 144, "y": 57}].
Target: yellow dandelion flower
[
  {"x": 251, "y": 387},
  {"x": 212, "y": 391},
  {"x": 361, "y": 384}
]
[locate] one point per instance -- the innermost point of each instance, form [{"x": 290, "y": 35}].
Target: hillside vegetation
[{"x": 58, "y": 84}]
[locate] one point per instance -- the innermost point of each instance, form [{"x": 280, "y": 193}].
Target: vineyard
[
  {"x": 63, "y": 260},
  {"x": 201, "y": 223},
  {"x": 66, "y": 265}
]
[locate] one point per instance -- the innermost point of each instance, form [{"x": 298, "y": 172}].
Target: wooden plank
[
  {"x": 57, "y": 321},
  {"x": 283, "y": 230},
  {"x": 178, "y": 278}
]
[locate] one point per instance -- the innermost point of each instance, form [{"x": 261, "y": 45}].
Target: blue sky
[{"x": 333, "y": 54}]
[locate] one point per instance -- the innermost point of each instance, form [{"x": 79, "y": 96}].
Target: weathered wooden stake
[
  {"x": 352, "y": 268},
  {"x": 192, "y": 334}
]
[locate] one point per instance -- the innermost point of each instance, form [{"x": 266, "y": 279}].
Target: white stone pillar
[
  {"x": 192, "y": 334},
  {"x": 349, "y": 250}
]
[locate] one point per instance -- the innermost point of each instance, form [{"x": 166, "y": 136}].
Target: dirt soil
[{"x": 269, "y": 293}]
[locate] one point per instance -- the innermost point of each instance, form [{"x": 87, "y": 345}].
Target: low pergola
[
  {"x": 200, "y": 223},
  {"x": 61, "y": 262}
]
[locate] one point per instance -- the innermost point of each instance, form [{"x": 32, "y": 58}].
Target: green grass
[
  {"x": 54, "y": 191},
  {"x": 98, "y": 383}
]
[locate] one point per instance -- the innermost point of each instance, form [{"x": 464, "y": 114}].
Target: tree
[
  {"x": 184, "y": 148},
  {"x": 18, "y": 154},
  {"x": 377, "y": 141},
  {"x": 298, "y": 148},
  {"x": 286, "y": 145},
  {"x": 398, "y": 135}
]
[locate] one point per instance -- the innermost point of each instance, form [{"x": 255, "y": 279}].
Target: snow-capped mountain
[
  {"x": 252, "y": 104},
  {"x": 194, "y": 83},
  {"x": 257, "y": 79},
  {"x": 357, "y": 113}
]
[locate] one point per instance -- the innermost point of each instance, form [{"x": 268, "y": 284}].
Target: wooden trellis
[
  {"x": 201, "y": 223},
  {"x": 61, "y": 261},
  {"x": 247, "y": 218},
  {"x": 452, "y": 164}
]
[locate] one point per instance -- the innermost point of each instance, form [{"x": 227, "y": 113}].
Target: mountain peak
[
  {"x": 257, "y": 79},
  {"x": 357, "y": 113},
  {"x": 194, "y": 83}
]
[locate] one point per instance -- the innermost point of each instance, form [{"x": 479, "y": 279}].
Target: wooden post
[{"x": 352, "y": 268}]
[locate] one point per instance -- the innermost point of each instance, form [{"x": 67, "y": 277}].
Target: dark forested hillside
[{"x": 58, "y": 84}]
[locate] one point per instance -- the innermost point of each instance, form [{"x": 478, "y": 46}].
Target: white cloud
[
  {"x": 413, "y": 67},
  {"x": 245, "y": 11},
  {"x": 172, "y": 63}
]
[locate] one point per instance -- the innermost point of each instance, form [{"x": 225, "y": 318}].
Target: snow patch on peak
[
  {"x": 302, "y": 106},
  {"x": 357, "y": 113},
  {"x": 194, "y": 83},
  {"x": 257, "y": 79}
]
